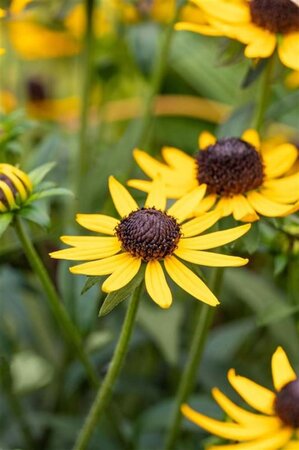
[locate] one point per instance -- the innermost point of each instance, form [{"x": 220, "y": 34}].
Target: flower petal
[
  {"x": 178, "y": 159},
  {"x": 151, "y": 167},
  {"x": 262, "y": 46},
  {"x": 255, "y": 395},
  {"x": 273, "y": 442},
  {"x": 156, "y": 197},
  {"x": 210, "y": 259},
  {"x": 156, "y": 284},
  {"x": 252, "y": 137},
  {"x": 242, "y": 210},
  {"x": 212, "y": 240},
  {"x": 188, "y": 281},
  {"x": 90, "y": 252},
  {"x": 98, "y": 222},
  {"x": 206, "y": 203},
  {"x": 101, "y": 267},
  {"x": 206, "y": 139},
  {"x": 184, "y": 207},
  {"x": 267, "y": 207},
  {"x": 125, "y": 272},
  {"x": 223, "y": 10},
  {"x": 200, "y": 224},
  {"x": 225, "y": 430},
  {"x": 122, "y": 199},
  {"x": 279, "y": 160},
  {"x": 282, "y": 371},
  {"x": 288, "y": 50},
  {"x": 225, "y": 205}
]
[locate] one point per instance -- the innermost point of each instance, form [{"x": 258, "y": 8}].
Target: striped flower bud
[{"x": 15, "y": 187}]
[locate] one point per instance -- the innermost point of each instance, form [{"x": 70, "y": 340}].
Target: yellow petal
[
  {"x": 96, "y": 250},
  {"x": 282, "y": 371},
  {"x": 178, "y": 159},
  {"x": 225, "y": 205},
  {"x": 225, "y": 430},
  {"x": 242, "y": 210},
  {"x": 89, "y": 241},
  {"x": 257, "y": 396},
  {"x": 292, "y": 445},
  {"x": 8, "y": 194},
  {"x": 150, "y": 166},
  {"x": 212, "y": 240},
  {"x": 273, "y": 442},
  {"x": 252, "y": 137},
  {"x": 198, "y": 28},
  {"x": 122, "y": 276},
  {"x": 157, "y": 196},
  {"x": 227, "y": 11},
  {"x": 279, "y": 160},
  {"x": 210, "y": 259},
  {"x": 206, "y": 204},
  {"x": 122, "y": 199},
  {"x": 98, "y": 222},
  {"x": 17, "y": 184},
  {"x": 288, "y": 50},
  {"x": 156, "y": 284},
  {"x": 184, "y": 207},
  {"x": 262, "y": 46},
  {"x": 267, "y": 207},
  {"x": 283, "y": 190},
  {"x": 243, "y": 416},
  {"x": 200, "y": 224},
  {"x": 188, "y": 281},
  {"x": 172, "y": 191},
  {"x": 141, "y": 185},
  {"x": 206, "y": 139},
  {"x": 101, "y": 267}
]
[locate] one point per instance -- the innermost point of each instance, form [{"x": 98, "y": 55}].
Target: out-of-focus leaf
[
  {"x": 36, "y": 213},
  {"x": 254, "y": 73},
  {"x": 237, "y": 122},
  {"x": 114, "y": 298},
  {"x": 50, "y": 193},
  {"x": 280, "y": 262},
  {"x": 90, "y": 282},
  {"x": 38, "y": 174},
  {"x": 5, "y": 220}
]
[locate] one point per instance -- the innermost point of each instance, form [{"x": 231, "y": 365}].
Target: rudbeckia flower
[
  {"x": 243, "y": 177},
  {"x": 15, "y": 187},
  {"x": 262, "y": 25},
  {"x": 276, "y": 428},
  {"x": 155, "y": 236}
]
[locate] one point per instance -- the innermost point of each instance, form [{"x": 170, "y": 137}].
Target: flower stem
[
  {"x": 264, "y": 96},
  {"x": 157, "y": 78},
  {"x": 105, "y": 390},
  {"x": 204, "y": 321},
  {"x": 71, "y": 333}
]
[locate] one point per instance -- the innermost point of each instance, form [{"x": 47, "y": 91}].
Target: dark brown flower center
[
  {"x": 229, "y": 167},
  {"x": 149, "y": 234},
  {"x": 11, "y": 186},
  {"x": 287, "y": 404},
  {"x": 277, "y": 16}
]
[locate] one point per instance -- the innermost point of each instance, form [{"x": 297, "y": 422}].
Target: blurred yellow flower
[
  {"x": 277, "y": 428},
  {"x": 262, "y": 25},
  {"x": 157, "y": 10},
  {"x": 244, "y": 177},
  {"x": 151, "y": 235}
]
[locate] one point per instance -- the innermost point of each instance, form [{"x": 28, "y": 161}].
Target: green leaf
[
  {"x": 5, "y": 219},
  {"x": 254, "y": 73},
  {"x": 36, "y": 213},
  {"x": 38, "y": 174},
  {"x": 90, "y": 282},
  {"x": 116, "y": 297},
  {"x": 50, "y": 193}
]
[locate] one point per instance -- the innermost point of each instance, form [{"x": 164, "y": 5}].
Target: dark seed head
[
  {"x": 277, "y": 16},
  {"x": 230, "y": 167},
  {"x": 287, "y": 404},
  {"x": 149, "y": 234}
]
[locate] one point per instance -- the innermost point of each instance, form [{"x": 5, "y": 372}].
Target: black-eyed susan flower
[
  {"x": 155, "y": 236},
  {"x": 243, "y": 176},
  {"x": 262, "y": 25},
  {"x": 15, "y": 188},
  {"x": 274, "y": 427}
]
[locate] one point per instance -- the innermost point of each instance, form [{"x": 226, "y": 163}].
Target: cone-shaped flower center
[
  {"x": 229, "y": 167},
  {"x": 287, "y": 404},
  {"x": 277, "y": 16},
  {"x": 149, "y": 233}
]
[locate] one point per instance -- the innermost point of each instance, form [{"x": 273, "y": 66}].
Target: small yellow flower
[
  {"x": 262, "y": 25},
  {"x": 277, "y": 428},
  {"x": 244, "y": 177},
  {"x": 152, "y": 235},
  {"x": 15, "y": 188}
]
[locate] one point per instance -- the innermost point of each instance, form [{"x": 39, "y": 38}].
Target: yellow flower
[
  {"x": 243, "y": 176},
  {"x": 262, "y": 25},
  {"x": 135, "y": 11},
  {"x": 277, "y": 428},
  {"x": 151, "y": 235},
  {"x": 15, "y": 187}
]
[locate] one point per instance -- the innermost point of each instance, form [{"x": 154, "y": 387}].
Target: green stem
[
  {"x": 156, "y": 80},
  {"x": 105, "y": 390},
  {"x": 264, "y": 96},
  {"x": 71, "y": 333},
  {"x": 204, "y": 321},
  {"x": 84, "y": 153}
]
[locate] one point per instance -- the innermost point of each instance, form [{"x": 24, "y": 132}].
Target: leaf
[
  {"x": 116, "y": 297},
  {"x": 50, "y": 193},
  {"x": 254, "y": 73},
  {"x": 5, "y": 220},
  {"x": 38, "y": 174},
  {"x": 36, "y": 213},
  {"x": 90, "y": 282}
]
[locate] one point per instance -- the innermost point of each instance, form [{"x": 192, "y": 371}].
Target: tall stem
[
  {"x": 204, "y": 321},
  {"x": 264, "y": 95},
  {"x": 105, "y": 391},
  {"x": 68, "y": 328},
  {"x": 157, "y": 78}
]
